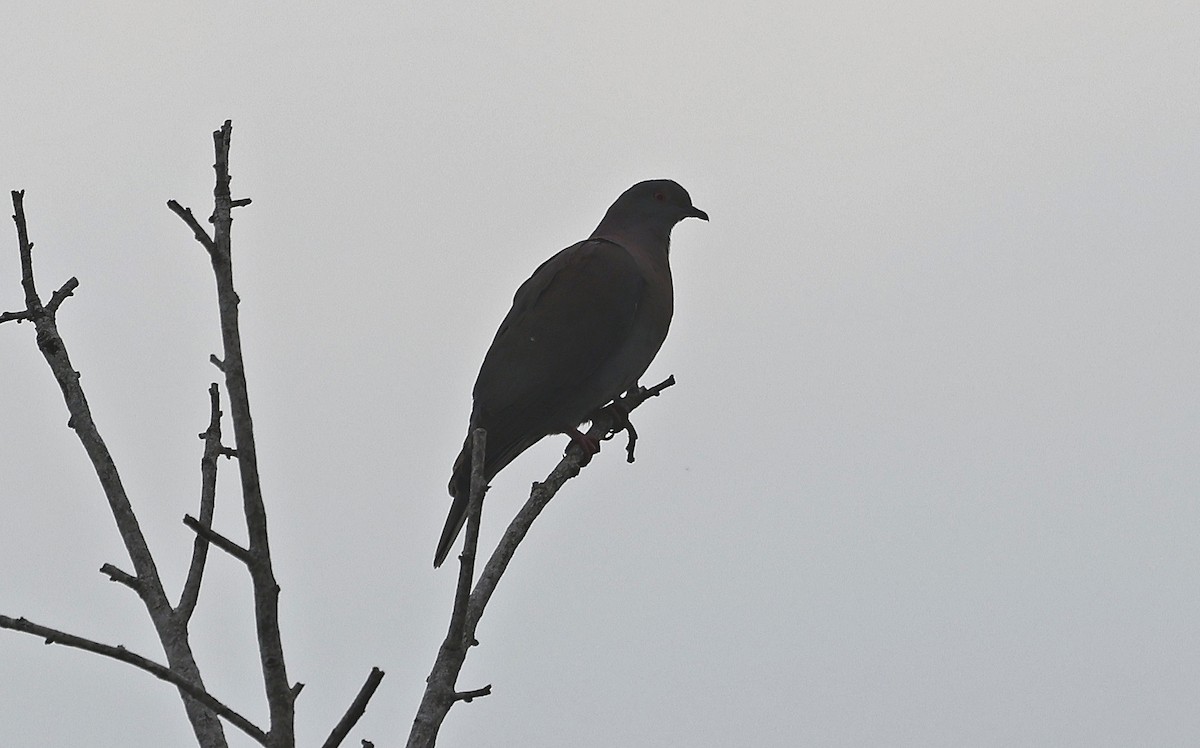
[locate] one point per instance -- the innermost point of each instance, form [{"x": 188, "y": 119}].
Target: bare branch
[
  {"x": 171, "y": 633},
  {"x": 198, "y": 230},
  {"x": 25, "y": 249},
  {"x": 20, "y": 316},
  {"x": 208, "y": 500},
  {"x": 212, "y": 536},
  {"x": 116, "y": 575},
  {"x": 637, "y": 397},
  {"x": 280, "y": 699},
  {"x": 439, "y": 691},
  {"x": 466, "y": 572},
  {"x": 469, "y": 696},
  {"x": 355, "y": 711},
  {"x": 59, "y": 296},
  {"x": 33, "y": 304},
  {"x": 197, "y": 692}
]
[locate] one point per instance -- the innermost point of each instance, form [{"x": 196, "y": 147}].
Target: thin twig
[
  {"x": 208, "y": 500},
  {"x": 61, "y": 294},
  {"x": 355, "y": 711},
  {"x": 186, "y": 214},
  {"x": 33, "y": 305},
  {"x": 25, "y": 249},
  {"x": 466, "y": 570},
  {"x": 122, "y": 577},
  {"x": 469, "y": 696},
  {"x": 212, "y": 536},
  {"x": 197, "y": 692},
  {"x": 20, "y": 316}
]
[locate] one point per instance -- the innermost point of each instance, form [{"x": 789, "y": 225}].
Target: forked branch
[
  {"x": 145, "y": 580},
  {"x": 280, "y": 696},
  {"x": 440, "y": 693}
]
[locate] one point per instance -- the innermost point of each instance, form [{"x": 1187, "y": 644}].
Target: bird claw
[
  {"x": 619, "y": 414},
  {"x": 620, "y": 417}
]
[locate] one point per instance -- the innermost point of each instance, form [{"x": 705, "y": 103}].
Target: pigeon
[{"x": 582, "y": 330}]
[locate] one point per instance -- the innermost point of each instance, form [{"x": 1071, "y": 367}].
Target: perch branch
[
  {"x": 567, "y": 468},
  {"x": 439, "y": 691}
]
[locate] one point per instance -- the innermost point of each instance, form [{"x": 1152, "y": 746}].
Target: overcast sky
[{"x": 929, "y": 476}]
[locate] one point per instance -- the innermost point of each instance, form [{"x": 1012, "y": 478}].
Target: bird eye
[{"x": 660, "y": 197}]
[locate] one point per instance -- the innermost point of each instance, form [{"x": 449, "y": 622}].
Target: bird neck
[{"x": 655, "y": 243}]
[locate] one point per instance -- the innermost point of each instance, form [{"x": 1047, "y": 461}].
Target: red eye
[{"x": 660, "y": 197}]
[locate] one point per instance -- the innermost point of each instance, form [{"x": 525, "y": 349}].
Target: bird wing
[{"x": 567, "y": 323}]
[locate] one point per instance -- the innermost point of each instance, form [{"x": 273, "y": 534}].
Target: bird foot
[
  {"x": 620, "y": 417},
  {"x": 587, "y": 444}
]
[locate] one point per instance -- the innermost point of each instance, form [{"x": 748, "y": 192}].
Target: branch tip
[
  {"x": 468, "y": 696},
  {"x": 17, "y": 317},
  {"x": 219, "y": 540},
  {"x": 59, "y": 296},
  {"x": 186, "y": 215},
  {"x": 116, "y": 575},
  {"x": 355, "y": 710}
]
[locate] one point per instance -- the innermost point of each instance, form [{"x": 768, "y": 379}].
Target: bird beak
[{"x": 695, "y": 212}]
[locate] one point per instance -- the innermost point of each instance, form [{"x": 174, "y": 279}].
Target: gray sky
[{"x": 929, "y": 475}]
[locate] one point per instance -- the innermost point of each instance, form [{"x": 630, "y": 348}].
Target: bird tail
[{"x": 460, "y": 489}]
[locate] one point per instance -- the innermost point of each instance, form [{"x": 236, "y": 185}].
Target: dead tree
[{"x": 204, "y": 710}]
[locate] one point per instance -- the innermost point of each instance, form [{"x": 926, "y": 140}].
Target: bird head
[{"x": 651, "y": 207}]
